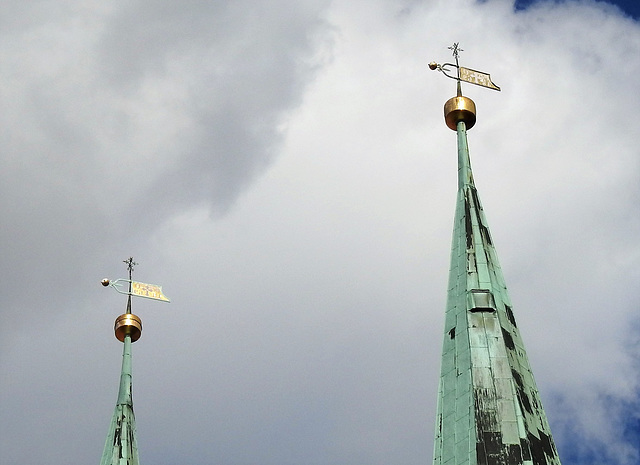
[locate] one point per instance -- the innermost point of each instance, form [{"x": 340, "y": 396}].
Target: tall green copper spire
[
  {"x": 121, "y": 447},
  {"x": 489, "y": 409}
]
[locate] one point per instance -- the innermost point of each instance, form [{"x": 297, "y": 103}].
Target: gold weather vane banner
[
  {"x": 477, "y": 77},
  {"x": 150, "y": 291}
]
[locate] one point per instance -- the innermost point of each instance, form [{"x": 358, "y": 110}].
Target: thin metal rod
[{"x": 130, "y": 264}]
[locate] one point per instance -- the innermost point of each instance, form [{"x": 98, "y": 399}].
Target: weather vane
[
  {"x": 469, "y": 75},
  {"x": 136, "y": 288}
]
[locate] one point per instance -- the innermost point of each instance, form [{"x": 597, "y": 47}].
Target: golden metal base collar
[
  {"x": 128, "y": 323},
  {"x": 460, "y": 109}
]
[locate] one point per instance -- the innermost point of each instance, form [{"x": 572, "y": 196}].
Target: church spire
[
  {"x": 489, "y": 409},
  {"x": 121, "y": 447}
]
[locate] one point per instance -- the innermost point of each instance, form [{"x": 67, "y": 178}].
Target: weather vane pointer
[
  {"x": 469, "y": 75},
  {"x": 136, "y": 288}
]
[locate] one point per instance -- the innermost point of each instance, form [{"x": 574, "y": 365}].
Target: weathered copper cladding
[
  {"x": 489, "y": 408},
  {"x": 460, "y": 109},
  {"x": 128, "y": 323}
]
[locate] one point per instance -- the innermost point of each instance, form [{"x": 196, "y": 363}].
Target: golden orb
[
  {"x": 128, "y": 323},
  {"x": 105, "y": 282},
  {"x": 433, "y": 65},
  {"x": 460, "y": 109}
]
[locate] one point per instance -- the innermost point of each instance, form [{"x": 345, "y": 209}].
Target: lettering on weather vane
[
  {"x": 136, "y": 288},
  {"x": 469, "y": 75}
]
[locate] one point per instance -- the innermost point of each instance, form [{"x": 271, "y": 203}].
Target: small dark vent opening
[{"x": 510, "y": 316}]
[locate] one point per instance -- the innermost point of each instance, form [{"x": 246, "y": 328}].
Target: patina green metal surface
[
  {"x": 489, "y": 409},
  {"x": 120, "y": 447}
]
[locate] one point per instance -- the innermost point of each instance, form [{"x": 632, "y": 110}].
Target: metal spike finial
[
  {"x": 455, "y": 48},
  {"x": 130, "y": 264}
]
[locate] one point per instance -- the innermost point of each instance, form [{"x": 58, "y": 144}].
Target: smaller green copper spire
[{"x": 121, "y": 447}]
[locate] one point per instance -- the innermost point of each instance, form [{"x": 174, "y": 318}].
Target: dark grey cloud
[
  {"x": 116, "y": 116},
  {"x": 237, "y": 66}
]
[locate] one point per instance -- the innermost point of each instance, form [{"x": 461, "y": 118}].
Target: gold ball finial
[
  {"x": 128, "y": 323},
  {"x": 433, "y": 66},
  {"x": 105, "y": 282},
  {"x": 460, "y": 109}
]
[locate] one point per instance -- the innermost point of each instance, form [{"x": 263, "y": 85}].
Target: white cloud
[{"x": 286, "y": 174}]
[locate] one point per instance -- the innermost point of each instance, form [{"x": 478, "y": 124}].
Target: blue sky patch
[{"x": 630, "y": 7}]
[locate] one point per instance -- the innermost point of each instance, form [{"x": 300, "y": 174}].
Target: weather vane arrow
[
  {"x": 136, "y": 288},
  {"x": 469, "y": 75}
]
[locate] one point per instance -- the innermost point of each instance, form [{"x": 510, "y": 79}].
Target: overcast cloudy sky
[{"x": 283, "y": 169}]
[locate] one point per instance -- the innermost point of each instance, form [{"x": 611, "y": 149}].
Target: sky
[
  {"x": 283, "y": 170},
  {"x": 629, "y": 8}
]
